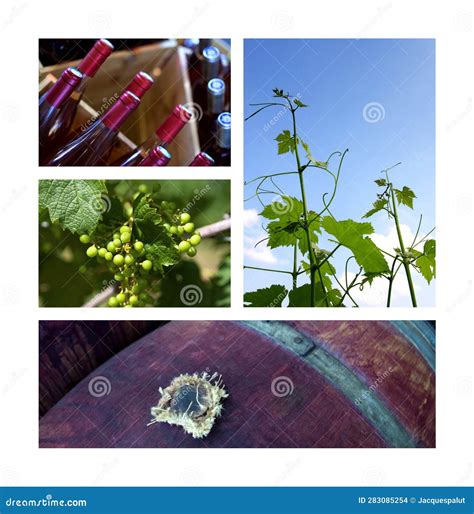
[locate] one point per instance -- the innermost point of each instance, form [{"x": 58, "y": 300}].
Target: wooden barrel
[{"x": 291, "y": 384}]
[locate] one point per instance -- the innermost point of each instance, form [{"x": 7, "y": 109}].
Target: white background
[{"x": 21, "y": 24}]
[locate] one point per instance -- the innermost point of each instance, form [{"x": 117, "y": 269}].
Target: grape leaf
[
  {"x": 161, "y": 254},
  {"x": 310, "y": 157},
  {"x": 272, "y": 296},
  {"x": 143, "y": 209},
  {"x": 405, "y": 196},
  {"x": 299, "y": 103},
  {"x": 286, "y": 142},
  {"x": 381, "y": 182},
  {"x": 351, "y": 235},
  {"x": 426, "y": 261},
  {"x": 78, "y": 205},
  {"x": 378, "y": 205}
]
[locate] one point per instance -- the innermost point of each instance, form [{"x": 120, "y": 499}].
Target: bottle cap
[
  {"x": 159, "y": 156},
  {"x": 64, "y": 86},
  {"x": 215, "y": 95},
  {"x": 120, "y": 110},
  {"x": 140, "y": 84},
  {"x": 202, "y": 159},
  {"x": 169, "y": 129},
  {"x": 211, "y": 62},
  {"x": 223, "y": 130},
  {"x": 203, "y": 43},
  {"x": 96, "y": 57}
]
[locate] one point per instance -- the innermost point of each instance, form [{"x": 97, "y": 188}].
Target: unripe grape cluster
[{"x": 127, "y": 259}]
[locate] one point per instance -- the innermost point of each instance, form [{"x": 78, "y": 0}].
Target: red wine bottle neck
[
  {"x": 96, "y": 57},
  {"x": 173, "y": 124},
  {"x": 120, "y": 110},
  {"x": 64, "y": 86}
]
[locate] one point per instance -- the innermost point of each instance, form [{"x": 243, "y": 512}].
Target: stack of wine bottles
[
  {"x": 61, "y": 144},
  {"x": 209, "y": 73}
]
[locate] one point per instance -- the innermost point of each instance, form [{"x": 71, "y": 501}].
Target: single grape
[
  {"x": 118, "y": 259},
  {"x": 117, "y": 243},
  {"x": 118, "y": 277},
  {"x": 112, "y": 302},
  {"x": 189, "y": 227},
  {"x": 164, "y": 204},
  {"x": 143, "y": 188},
  {"x": 120, "y": 297},
  {"x": 128, "y": 305},
  {"x": 195, "y": 239},
  {"x": 84, "y": 239},
  {"x": 124, "y": 228},
  {"x": 109, "y": 256},
  {"x": 185, "y": 217},
  {"x": 192, "y": 251},
  {"x": 111, "y": 246},
  {"x": 184, "y": 246},
  {"x": 102, "y": 252},
  {"x": 129, "y": 259},
  {"x": 138, "y": 246},
  {"x": 173, "y": 230},
  {"x": 133, "y": 299},
  {"x": 180, "y": 230},
  {"x": 147, "y": 265},
  {"x": 116, "y": 235},
  {"x": 91, "y": 251},
  {"x": 125, "y": 237}
]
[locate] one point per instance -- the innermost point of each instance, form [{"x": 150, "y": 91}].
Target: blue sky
[{"x": 341, "y": 79}]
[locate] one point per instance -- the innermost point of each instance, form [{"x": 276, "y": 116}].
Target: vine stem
[
  {"x": 312, "y": 260},
  {"x": 207, "y": 231},
  {"x": 406, "y": 264}
]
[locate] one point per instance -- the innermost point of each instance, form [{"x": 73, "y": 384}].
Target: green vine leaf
[
  {"x": 78, "y": 205},
  {"x": 378, "y": 205},
  {"x": 272, "y": 296},
  {"x": 381, "y": 182},
  {"x": 405, "y": 196},
  {"x": 286, "y": 142},
  {"x": 352, "y": 235},
  {"x": 426, "y": 261},
  {"x": 299, "y": 103},
  {"x": 310, "y": 157}
]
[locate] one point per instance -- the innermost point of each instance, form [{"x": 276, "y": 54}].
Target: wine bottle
[
  {"x": 194, "y": 64},
  {"x": 210, "y": 66},
  {"x": 50, "y": 105},
  {"x": 215, "y": 105},
  {"x": 221, "y": 148},
  {"x": 163, "y": 136},
  {"x": 140, "y": 84},
  {"x": 88, "y": 67},
  {"x": 93, "y": 146},
  {"x": 159, "y": 156},
  {"x": 202, "y": 159}
]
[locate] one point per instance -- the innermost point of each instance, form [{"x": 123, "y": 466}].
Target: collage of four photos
[{"x": 338, "y": 212}]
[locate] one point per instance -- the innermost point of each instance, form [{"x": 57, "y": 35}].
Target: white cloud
[{"x": 254, "y": 234}]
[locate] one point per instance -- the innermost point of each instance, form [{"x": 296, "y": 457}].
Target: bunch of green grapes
[{"x": 126, "y": 257}]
